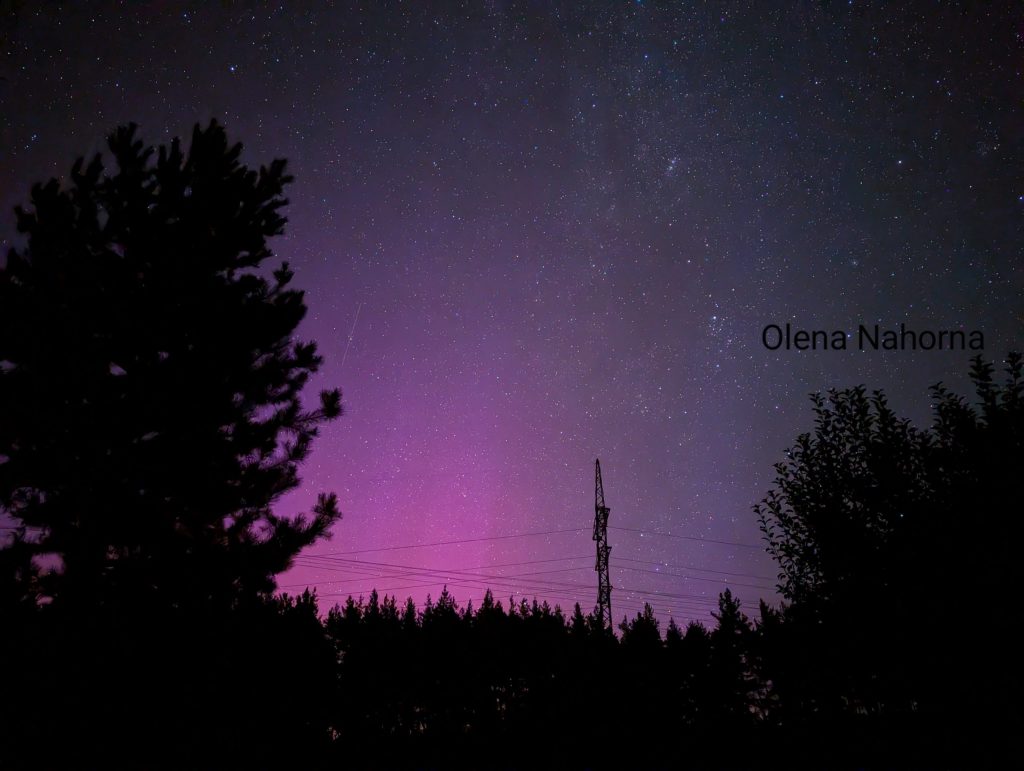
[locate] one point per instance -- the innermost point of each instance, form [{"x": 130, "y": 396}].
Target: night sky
[{"x": 533, "y": 234}]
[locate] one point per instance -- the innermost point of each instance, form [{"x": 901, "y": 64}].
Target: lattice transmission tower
[{"x": 604, "y": 584}]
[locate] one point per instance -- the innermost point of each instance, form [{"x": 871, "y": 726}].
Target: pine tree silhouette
[
  {"x": 150, "y": 418},
  {"x": 150, "y": 408}
]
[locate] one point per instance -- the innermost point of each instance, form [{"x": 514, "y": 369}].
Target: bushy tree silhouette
[{"x": 883, "y": 534}]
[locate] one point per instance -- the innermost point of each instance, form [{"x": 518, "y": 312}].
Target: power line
[
  {"x": 349, "y": 563},
  {"x": 480, "y": 539},
  {"x": 691, "y": 615},
  {"x": 694, "y": 567},
  {"x": 475, "y": 567},
  {"x": 512, "y": 535},
  {"x": 630, "y": 604},
  {"x": 692, "y": 578},
  {"x": 687, "y": 537},
  {"x": 450, "y": 543},
  {"x": 439, "y": 572},
  {"x": 471, "y": 584},
  {"x": 413, "y": 570},
  {"x": 454, "y": 575},
  {"x": 416, "y": 570}
]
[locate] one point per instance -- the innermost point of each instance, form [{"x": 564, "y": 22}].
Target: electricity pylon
[{"x": 604, "y": 584}]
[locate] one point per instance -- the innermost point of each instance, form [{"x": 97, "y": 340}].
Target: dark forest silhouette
[{"x": 150, "y": 418}]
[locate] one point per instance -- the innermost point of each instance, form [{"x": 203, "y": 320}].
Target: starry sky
[{"x": 532, "y": 234}]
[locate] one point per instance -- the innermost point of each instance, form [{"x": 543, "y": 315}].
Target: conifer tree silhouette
[
  {"x": 642, "y": 631},
  {"x": 150, "y": 410},
  {"x": 730, "y": 673},
  {"x": 150, "y": 418}
]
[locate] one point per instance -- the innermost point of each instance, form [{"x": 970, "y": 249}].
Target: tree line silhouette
[{"x": 151, "y": 416}]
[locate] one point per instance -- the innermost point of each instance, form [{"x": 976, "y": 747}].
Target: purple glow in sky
[{"x": 563, "y": 230}]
